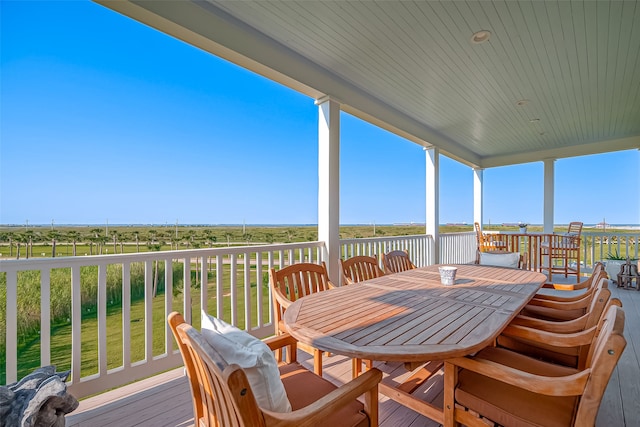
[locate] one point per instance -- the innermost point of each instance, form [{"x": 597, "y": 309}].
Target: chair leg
[
  {"x": 356, "y": 368},
  {"x": 317, "y": 362}
]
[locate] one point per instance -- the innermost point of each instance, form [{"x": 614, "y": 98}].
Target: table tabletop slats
[{"x": 410, "y": 316}]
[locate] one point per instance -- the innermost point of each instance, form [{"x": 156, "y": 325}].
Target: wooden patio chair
[
  {"x": 291, "y": 283},
  {"x": 564, "y": 291},
  {"x": 564, "y": 342},
  {"x": 488, "y": 242},
  {"x": 562, "y": 310},
  {"x": 360, "y": 268},
  {"x": 507, "y": 388},
  {"x": 396, "y": 261},
  {"x": 564, "y": 248},
  {"x": 223, "y": 396}
]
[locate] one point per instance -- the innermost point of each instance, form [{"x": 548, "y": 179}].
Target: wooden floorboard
[{"x": 165, "y": 401}]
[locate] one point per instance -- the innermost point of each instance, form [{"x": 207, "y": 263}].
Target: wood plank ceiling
[{"x": 411, "y": 67}]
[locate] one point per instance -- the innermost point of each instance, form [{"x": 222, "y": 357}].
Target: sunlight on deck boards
[{"x": 165, "y": 400}]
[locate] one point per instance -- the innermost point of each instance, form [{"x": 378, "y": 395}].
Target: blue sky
[{"x": 105, "y": 119}]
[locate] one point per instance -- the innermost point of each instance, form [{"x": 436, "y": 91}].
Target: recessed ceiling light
[
  {"x": 522, "y": 102},
  {"x": 534, "y": 120},
  {"x": 480, "y": 37}
]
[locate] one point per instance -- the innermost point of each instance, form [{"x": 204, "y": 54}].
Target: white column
[
  {"x": 433, "y": 200},
  {"x": 329, "y": 183},
  {"x": 478, "y": 197},
  {"x": 549, "y": 186}
]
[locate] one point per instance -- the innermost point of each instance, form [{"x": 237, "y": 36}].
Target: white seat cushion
[
  {"x": 253, "y": 356},
  {"x": 500, "y": 260}
]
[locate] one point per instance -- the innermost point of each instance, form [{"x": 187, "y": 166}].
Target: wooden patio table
[{"x": 411, "y": 317}]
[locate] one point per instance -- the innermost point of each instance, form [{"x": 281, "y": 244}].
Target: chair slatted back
[
  {"x": 297, "y": 280},
  {"x": 397, "y": 261},
  {"x": 575, "y": 228},
  {"x": 360, "y": 268}
]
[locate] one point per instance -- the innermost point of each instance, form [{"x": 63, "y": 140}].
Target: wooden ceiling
[{"x": 411, "y": 67}]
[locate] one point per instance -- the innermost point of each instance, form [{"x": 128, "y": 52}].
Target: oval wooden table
[{"x": 411, "y": 317}]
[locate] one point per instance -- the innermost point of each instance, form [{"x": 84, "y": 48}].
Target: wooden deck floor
[{"x": 165, "y": 400}]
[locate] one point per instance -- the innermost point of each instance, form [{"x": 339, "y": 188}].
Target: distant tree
[
  {"x": 101, "y": 240},
  {"x": 53, "y": 235},
  {"x": 155, "y": 247},
  {"x": 188, "y": 237},
  {"x": 269, "y": 238},
  {"x": 228, "y": 236},
  {"x": 152, "y": 234},
  {"x": 136, "y": 235},
  {"x": 7, "y": 237},
  {"x": 29, "y": 235},
  {"x": 209, "y": 237},
  {"x": 247, "y": 237},
  {"x": 114, "y": 236},
  {"x": 290, "y": 234},
  {"x": 19, "y": 239},
  {"x": 73, "y": 236}
]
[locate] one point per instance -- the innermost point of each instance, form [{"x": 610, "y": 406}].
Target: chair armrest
[
  {"x": 551, "y": 338},
  {"x": 278, "y": 341},
  {"x": 314, "y": 413},
  {"x": 281, "y": 298},
  {"x": 569, "y": 385},
  {"x": 568, "y": 326}
]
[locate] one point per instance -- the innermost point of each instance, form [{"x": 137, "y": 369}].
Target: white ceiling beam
[{"x": 598, "y": 147}]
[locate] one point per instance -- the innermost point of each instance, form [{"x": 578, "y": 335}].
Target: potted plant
[
  {"x": 613, "y": 262},
  {"x": 523, "y": 227}
]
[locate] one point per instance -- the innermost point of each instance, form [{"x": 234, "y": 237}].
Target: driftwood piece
[{"x": 38, "y": 400}]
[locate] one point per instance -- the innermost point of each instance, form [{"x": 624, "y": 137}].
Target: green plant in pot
[{"x": 613, "y": 263}]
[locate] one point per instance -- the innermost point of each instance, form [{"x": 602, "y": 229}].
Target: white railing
[
  {"x": 234, "y": 270},
  {"x": 420, "y": 247},
  {"x": 458, "y": 248},
  {"x": 228, "y": 282},
  {"x": 597, "y": 246}
]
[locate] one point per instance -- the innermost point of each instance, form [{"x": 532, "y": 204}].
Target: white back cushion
[
  {"x": 500, "y": 260},
  {"x": 253, "y": 356}
]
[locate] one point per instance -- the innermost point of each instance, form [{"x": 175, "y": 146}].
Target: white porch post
[
  {"x": 433, "y": 200},
  {"x": 549, "y": 173},
  {"x": 478, "y": 198},
  {"x": 329, "y": 183}
]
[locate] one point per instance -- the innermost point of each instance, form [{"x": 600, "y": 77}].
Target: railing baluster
[
  {"x": 234, "y": 291},
  {"x": 259, "y": 299},
  {"x": 187, "y": 289},
  {"x": 126, "y": 314},
  {"x": 219, "y": 286},
  {"x": 102, "y": 319},
  {"x": 12, "y": 327},
  {"x": 168, "y": 303},
  {"x": 76, "y": 325},
  {"x": 45, "y": 317},
  {"x": 148, "y": 311},
  {"x": 247, "y": 292}
]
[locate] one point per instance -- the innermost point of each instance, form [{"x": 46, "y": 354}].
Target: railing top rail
[{"x": 384, "y": 239}]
